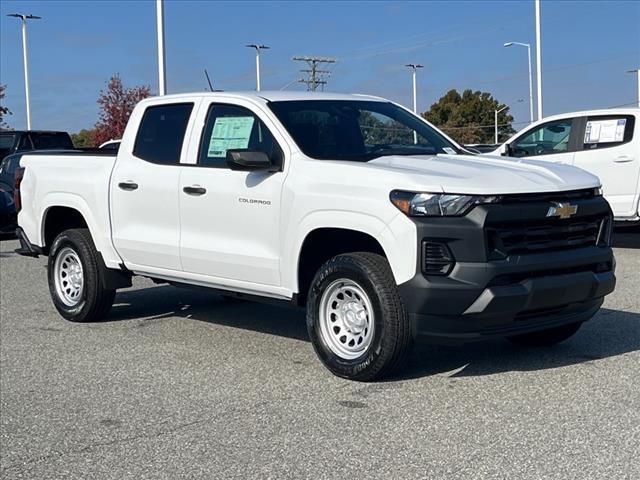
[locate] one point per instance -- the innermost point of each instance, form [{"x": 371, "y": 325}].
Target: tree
[
  {"x": 84, "y": 138},
  {"x": 116, "y": 104},
  {"x": 3, "y": 110},
  {"x": 469, "y": 118}
]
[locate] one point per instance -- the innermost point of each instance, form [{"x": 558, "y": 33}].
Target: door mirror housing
[{"x": 245, "y": 159}]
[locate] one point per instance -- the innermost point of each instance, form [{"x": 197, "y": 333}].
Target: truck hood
[{"x": 487, "y": 175}]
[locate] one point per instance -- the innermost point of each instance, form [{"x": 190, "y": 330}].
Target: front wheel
[
  {"x": 546, "y": 338},
  {"x": 75, "y": 280},
  {"x": 356, "y": 320}
]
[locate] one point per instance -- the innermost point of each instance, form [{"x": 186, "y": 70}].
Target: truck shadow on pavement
[{"x": 611, "y": 333}]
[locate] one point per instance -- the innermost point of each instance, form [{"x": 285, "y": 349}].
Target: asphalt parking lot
[{"x": 183, "y": 384}]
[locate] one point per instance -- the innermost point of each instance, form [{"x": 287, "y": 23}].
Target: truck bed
[{"x": 71, "y": 178}]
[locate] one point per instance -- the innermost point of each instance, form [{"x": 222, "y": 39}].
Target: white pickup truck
[
  {"x": 349, "y": 205},
  {"x": 603, "y": 142}
]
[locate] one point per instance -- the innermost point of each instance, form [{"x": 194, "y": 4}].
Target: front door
[
  {"x": 610, "y": 151},
  {"x": 230, "y": 219}
]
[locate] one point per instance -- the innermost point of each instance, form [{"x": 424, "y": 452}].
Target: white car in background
[{"x": 603, "y": 142}]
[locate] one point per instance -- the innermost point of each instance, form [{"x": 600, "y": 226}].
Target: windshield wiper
[{"x": 386, "y": 150}]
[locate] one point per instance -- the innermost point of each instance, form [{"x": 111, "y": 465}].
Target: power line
[{"x": 316, "y": 77}]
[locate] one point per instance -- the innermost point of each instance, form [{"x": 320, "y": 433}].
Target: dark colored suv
[{"x": 21, "y": 141}]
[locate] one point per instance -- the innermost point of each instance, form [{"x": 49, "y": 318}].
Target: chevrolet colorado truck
[{"x": 349, "y": 205}]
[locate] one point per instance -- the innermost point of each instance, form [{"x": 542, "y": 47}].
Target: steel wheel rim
[
  {"x": 346, "y": 319},
  {"x": 68, "y": 276}
]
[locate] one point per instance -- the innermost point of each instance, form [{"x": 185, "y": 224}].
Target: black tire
[
  {"x": 546, "y": 338},
  {"x": 391, "y": 338},
  {"x": 95, "y": 300}
]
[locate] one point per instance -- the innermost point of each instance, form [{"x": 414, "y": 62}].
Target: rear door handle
[
  {"x": 128, "y": 185},
  {"x": 194, "y": 190},
  {"x": 623, "y": 159}
]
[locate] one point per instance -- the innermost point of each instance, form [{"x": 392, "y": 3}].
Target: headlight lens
[{"x": 416, "y": 204}]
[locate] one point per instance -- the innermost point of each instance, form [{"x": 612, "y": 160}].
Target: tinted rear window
[
  {"x": 51, "y": 141},
  {"x": 161, "y": 133}
]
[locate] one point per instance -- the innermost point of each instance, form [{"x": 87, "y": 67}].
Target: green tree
[
  {"x": 3, "y": 110},
  {"x": 84, "y": 138},
  {"x": 469, "y": 118}
]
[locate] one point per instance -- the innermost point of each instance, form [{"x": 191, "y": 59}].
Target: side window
[
  {"x": 547, "y": 139},
  {"x": 161, "y": 133},
  {"x": 230, "y": 127},
  {"x": 607, "y": 131}
]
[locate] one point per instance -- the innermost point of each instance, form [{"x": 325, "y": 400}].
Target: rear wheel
[
  {"x": 75, "y": 279},
  {"x": 546, "y": 338},
  {"x": 356, "y": 320}
]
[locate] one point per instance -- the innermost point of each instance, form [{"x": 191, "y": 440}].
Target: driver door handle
[
  {"x": 128, "y": 185},
  {"x": 623, "y": 159},
  {"x": 194, "y": 190}
]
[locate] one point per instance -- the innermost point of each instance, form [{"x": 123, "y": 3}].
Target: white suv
[{"x": 603, "y": 142}]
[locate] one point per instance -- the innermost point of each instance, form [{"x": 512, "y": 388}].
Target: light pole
[
  {"x": 257, "y": 47},
  {"x": 637, "y": 71},
  {"x": 162, "y": 76},
  {"x": 508, "y": 44},
  {"x": 25, "y": 59},
  {"x": 538, "y": 60},
  {"x": 495, "y": 118},
  {"x": 414, "y": 68}
]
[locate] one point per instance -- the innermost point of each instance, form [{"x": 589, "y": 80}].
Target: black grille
[
  {"x": 522, "y": 237},
  {"x": 549, "y": 196},
  {"x": 437, "y": 259}
]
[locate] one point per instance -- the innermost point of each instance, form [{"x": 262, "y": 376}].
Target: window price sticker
[
  {"x": 229, "y": 133},
  {"x": 605, "y": 131}
]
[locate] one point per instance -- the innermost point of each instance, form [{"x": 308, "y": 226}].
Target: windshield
[{"x": 357, "y": 130}]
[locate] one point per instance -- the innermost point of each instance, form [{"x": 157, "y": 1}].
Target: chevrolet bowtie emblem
[{"x": 562, "y": 210}]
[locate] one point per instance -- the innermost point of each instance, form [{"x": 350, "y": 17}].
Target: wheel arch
[
  {"x": 64, "y": 211},
  {"x": 319, "y": 232}
]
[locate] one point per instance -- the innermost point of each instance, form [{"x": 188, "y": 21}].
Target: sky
[{"x": 587, "y": 48}]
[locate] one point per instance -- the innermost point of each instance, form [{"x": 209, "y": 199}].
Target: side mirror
[
  {"x": 244, "y": 159},
  {"x": 505, "y": 150}
]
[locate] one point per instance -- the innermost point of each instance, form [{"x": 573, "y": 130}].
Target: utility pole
[
  {"x": 495, "y": 118},
  {"x": 538, "y": 60},
  {"x": 637, "y": 71},
  {"x": 258, "y": 47},
  {"x": 508, "y": 44},
  {"x": 162, "y": 77},
  {"x": 25, "y": 59},
  {"x": 316, "y": 76}
]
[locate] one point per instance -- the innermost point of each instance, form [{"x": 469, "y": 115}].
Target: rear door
[
  {"x": 145, "y": 217},
  {"x": 610, "y": 149},
  {"x": 230, "y": 220},
  {"x": 553, "y": 141}
]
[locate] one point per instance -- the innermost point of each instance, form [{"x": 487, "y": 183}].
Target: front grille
[
  {"x": 549, "y": 196},
  {"x": 522, "y": 237}
]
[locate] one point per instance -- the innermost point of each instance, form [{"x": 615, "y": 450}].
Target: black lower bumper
[
  {"x": 472, "y": 304},
  {"x": 486, "y": 295}
]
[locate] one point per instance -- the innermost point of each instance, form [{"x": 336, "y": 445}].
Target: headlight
[{"x": 437, "y": 204}]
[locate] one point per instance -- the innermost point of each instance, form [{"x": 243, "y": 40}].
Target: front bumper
[{"x": 487, "y": 295}]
